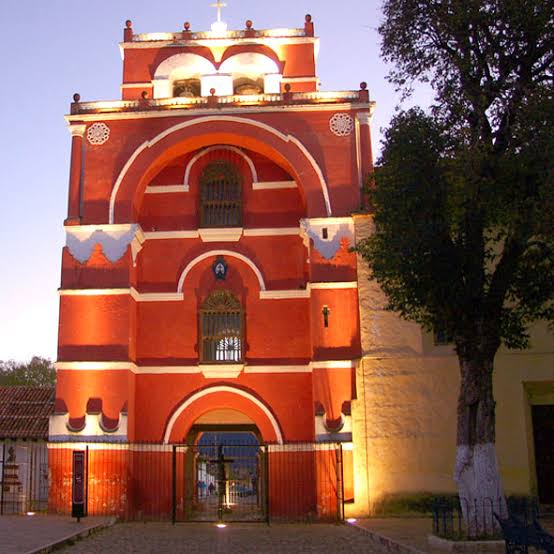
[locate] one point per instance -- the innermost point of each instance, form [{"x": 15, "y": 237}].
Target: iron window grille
[
  {"x": 221, "y": 328},
  {"x": 220, "y": 196}
]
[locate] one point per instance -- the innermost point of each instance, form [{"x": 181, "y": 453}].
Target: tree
[
  {"x": 39, "y": 372},
  {"x": 463, "y": 197}
]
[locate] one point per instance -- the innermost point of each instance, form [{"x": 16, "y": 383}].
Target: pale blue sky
[{"x": 53, "y": 49}]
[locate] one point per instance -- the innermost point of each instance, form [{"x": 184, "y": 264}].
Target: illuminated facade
[
  {"x": 208, "y": 282},
  {"x": 207, "y": 274}
]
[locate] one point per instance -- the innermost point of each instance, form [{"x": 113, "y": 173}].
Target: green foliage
[
  {"x": 39, "y": 372},
  {"x": 463, "y": 197}
]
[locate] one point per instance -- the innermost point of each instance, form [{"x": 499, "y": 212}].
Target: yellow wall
[{"x": 404, "y": 418}]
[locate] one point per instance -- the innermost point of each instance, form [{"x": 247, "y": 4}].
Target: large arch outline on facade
[
  {"x": 219, "y": 118},
  {"x": 214, "y": 390},
  {"x": 209, "y": 149},
  {"x": 230, "y": 253}
]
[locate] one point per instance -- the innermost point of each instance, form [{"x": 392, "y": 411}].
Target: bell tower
[{"x": 207, "y": 274}]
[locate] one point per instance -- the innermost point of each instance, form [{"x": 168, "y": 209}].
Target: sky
[{"x": 55, "y": 48}]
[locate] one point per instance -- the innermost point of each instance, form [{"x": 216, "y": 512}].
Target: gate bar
[
  {"x": 174, "y": 485},
  {"x": 340, "y": 483},
  {"x": 266, "y": 487}
]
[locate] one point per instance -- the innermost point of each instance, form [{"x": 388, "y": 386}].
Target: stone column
[{"x": 74, "y": 196}]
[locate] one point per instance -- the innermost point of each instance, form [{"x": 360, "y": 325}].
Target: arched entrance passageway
[{"x": 224, "y": 467}]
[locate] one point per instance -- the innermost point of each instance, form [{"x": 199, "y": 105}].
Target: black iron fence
[
  {"x": 199, "y": 482},
  {"x": 459, "y": 518}
]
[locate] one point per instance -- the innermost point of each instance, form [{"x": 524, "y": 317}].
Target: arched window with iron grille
[
  {"x": 221, "y": 328},
  {"x": 220, "y": 196}
]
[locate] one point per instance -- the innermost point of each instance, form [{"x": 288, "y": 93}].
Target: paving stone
[{"x": 236, "y": 538}]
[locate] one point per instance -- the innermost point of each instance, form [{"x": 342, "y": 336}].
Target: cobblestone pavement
[
  {"x": 20, "y": 534},
  {"x": 236, "y": 538}
]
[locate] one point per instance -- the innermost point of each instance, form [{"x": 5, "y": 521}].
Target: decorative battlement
[
  {"x": 93, "y": 424},
  {"x": 186, "y": 35},
  {"x": 180, "y": 103}
]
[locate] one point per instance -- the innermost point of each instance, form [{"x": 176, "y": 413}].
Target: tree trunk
[{"x": 476, "y": 471}]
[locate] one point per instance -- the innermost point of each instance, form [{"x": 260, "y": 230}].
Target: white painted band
[
  {"x": 161, "y": 369},
  {"x": 274, "y": 185},
  {"x": 166, "y": 189}
]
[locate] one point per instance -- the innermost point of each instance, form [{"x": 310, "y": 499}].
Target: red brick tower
[{"x": 207, "y": 270}]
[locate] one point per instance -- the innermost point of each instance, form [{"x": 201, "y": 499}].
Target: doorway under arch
[{"x": 225, "y": 469}]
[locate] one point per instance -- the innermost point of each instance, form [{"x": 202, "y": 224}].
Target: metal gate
[{"x": 221, "y": 482}]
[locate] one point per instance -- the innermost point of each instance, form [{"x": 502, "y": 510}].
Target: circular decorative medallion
[
  {"x": 98, "y": 133},
  {"x": 341, "y": 124}
]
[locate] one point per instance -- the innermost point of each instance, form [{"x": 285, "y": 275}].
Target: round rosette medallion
[
  {"x": 341, "y": 124},
  {"x": 98, "y": 133}
]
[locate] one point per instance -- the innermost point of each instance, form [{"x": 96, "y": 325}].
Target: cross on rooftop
[{"x": 219, "y": 4}]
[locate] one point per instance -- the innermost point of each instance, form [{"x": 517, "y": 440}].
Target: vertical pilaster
[{"x": 74, "y": 196}]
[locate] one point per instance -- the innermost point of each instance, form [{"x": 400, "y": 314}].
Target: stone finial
[
  {"x": 249, "y": 24},
  {"x": 187, "y": 26},
  {"x": 76, "y": 97},
  {"x": 364, "y": 93},
  {"x": 287, "y": 87},
  {"x": 144, "y": 95},
  {"x": 128, "y": 31},
  {"x": 308, "y": 26},
  {"x": 212, "y": 91}
]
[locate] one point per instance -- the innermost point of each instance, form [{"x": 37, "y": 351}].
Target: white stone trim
[
  {"x": 220, "y": 118},
  {"x": 321, "y": 431},
  {"x": 230, "y": 253},
  {"x": 364, "y": 118},
  {"x": 234, "y": 149},
  {"x": 284, "y": 294},
  {"x": 93, "y": 292},
  {"x": 329, "y": 220},
  {"x": 178, "y": 296},
  {"x": 164, "y": 235},
  {"x": 135, "y": 85},
  {"x": 220, "y": 371},
  {"x": 95, "y": 366},
  {"x": 334, "y": 285},
  {"x": 220, "y": 234},
  {"x": 278, "y": 369},
  {"x": 272, "y": 232},
  {"x": 137, "y": 296},
  {"x": 157, "y": 296},
  {"x": 333, "y": 364},
  {"x": 300, "y": 79},
  {"x": 274, "y": 185},
  {"x": 166, "y": 189},
  {"x": 162, "y": 40},
  {"x": 338, "y": 228},
  {"x": 105, "y": 227},
  {"x": 76, "y": 129},
  {"x": 227, "y": 110},
  {"x": 114, "y": 240},
  {"x": 58, "y": 425},
  {"x": 161, "y": 370},
  {"x": 214, "y": 390},
  {"x": 193, "y": 369}
]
